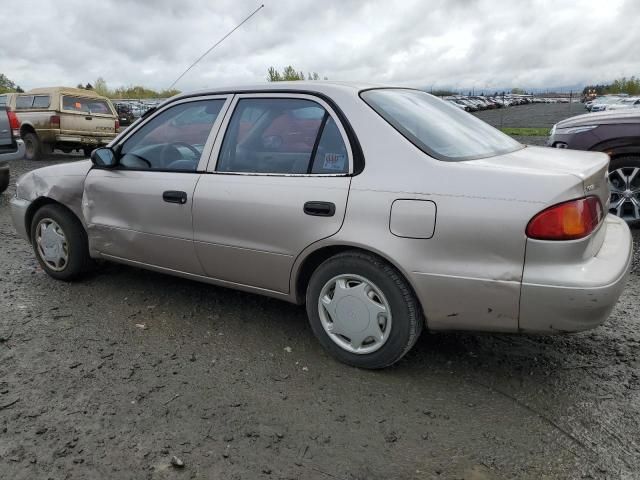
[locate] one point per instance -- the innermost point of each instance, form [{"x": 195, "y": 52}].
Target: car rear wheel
[
  {"x": 624, "y": 181},
  {"x": 362, "y": 310},
  {"x": 60, "y": 243},
  {"x": 4, "y": 180}
]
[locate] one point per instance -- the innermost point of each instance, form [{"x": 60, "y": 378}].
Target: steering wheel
[{"x": 191, "y": 148}]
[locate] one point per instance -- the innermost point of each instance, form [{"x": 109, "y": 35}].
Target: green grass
[{"x": 526, "y": 132}]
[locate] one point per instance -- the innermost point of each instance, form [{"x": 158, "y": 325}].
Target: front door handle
[
  {"x": 174, "y": 196},
  {"x": 320, "y": 209},
  {"x": 88, "y": 118}
]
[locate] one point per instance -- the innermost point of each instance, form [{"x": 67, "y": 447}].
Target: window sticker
[{"x": 334, "y": 161}]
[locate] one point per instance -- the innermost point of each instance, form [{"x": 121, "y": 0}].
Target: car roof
[
  {"x": 631, "y": 115},
  {"x": 325, "y": 87}
]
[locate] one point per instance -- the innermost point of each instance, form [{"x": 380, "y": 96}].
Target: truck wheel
[
  {"x": 87, "y": 151},
  {"x": 4, "y": 180},
  {"x": 33, "y": 147},
  {"x": 624, "y": 182},
  {"x": 60, "y": 243}
]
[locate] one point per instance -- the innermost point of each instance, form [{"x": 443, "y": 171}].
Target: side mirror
[{"x": 104, "y": 157}]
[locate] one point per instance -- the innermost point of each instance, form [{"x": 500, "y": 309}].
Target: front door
[
  {"x": 140, "y": 211},
  {"x": 278, "y": 184}
]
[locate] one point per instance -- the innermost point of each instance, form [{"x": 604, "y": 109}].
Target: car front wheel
[
  {"x": 60, "y": 243},
  {"x": 624, "y": 182},
  {"x": 362, "y": 310}
]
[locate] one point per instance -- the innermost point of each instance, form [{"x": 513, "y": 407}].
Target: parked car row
[
  {"x": 480, "y": 102},
  {"x": 131, "y": 110},
  {"x": 612, "y": 102}
]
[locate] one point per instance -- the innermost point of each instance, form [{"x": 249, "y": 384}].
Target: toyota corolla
[{"x": 383, "y": 210}]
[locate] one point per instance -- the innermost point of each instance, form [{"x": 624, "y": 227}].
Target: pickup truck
[
  {"x": 63, "y": 118},
  {"x": 11, "y": 146}
]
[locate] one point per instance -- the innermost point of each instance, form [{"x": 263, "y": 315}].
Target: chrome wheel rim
[
  {"x": 355, "y": 314},
  {"x": 624, "y": 183},
  {"x": 52, "y": 245}
]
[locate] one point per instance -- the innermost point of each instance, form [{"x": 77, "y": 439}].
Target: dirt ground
[{"x": 113, "y": 376}]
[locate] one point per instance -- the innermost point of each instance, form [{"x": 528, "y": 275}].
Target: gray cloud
[{"x": 452, "y": 43}]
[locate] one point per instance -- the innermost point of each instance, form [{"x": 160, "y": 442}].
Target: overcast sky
[{"x": 439, "y": 43}]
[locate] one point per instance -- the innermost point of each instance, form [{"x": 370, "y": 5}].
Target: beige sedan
[{"x": 383, "y": 210}]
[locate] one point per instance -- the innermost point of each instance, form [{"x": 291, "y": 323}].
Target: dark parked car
[
  {"x": 125, "y": 114},
  {"x": 11, "y": 146},
  {"x": 616, "y": 133}
]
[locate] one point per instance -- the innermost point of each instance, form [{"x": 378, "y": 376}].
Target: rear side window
[
  {"x": 282, "y": 136},
  {"x": 41, "y": 101},
  {"x": 24, "y": 101},
  {"x": 436, "y": 127},
  {"x": 85, "y": 105}
]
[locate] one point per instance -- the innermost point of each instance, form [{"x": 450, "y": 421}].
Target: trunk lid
[{"x": 588, "y": 168}]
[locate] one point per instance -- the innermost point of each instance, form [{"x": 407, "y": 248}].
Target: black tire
[
  {"x": 408, "y": 320},
  {"x": 4, "y": 180},
  {"x": 624, "y": 162},
  {"x": 79, "y": 261},
  {"x": 87, "y": 151},
  {"x": 33, "y": 146}
]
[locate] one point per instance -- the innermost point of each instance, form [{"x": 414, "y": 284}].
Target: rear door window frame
[{"x": 215, "y": 152}]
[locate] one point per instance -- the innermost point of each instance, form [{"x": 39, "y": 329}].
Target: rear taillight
[
  {"x": 567, "y": 221},
  {"x": 117, "y": 124},
  {"x": 14, "y": 123},
  {"x": 54, "y": 120}
]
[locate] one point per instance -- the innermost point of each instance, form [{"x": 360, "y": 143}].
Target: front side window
[
  {"x": 437, "y": 128},
  {"x": 86, "y": 105},
  {"x": 172, "y": 140},
  {"x": 282, "y": 136}
]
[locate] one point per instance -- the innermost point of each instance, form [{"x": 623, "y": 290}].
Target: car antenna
[{"x": 216, "y": 44}]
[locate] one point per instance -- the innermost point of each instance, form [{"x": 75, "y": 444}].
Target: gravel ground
[{"x": 236, "y": 387}]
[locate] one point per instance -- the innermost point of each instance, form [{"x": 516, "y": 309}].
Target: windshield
[{"x": 436, "y": 127}]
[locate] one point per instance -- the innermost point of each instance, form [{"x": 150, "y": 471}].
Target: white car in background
[{"x": 632, "y": 102}]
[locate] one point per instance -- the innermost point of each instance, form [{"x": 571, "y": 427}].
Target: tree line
[
  {"x": 630, "y": 86},
  {"x": 290, "y": 74},
  {"x": 132, "y": 91}
]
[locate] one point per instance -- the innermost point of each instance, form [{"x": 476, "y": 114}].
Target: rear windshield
[
  {"x": 3, "y": 100},
  {"x": 436, "y": 127},
  {"x": 86, "y": 105}
]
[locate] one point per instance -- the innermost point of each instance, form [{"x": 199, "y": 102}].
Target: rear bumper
[
  {"x": 17, "y": 155},
  {"x": 587, "y": 290},
  {"x": 80, "y": 140},
  {"x": 19, "y": 209}
]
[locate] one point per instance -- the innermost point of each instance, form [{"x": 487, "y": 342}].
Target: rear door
[
  {"x": 278, "y": 182},
  {"x": 86, "y": 117},
  {"x": 141, "y": 211}
]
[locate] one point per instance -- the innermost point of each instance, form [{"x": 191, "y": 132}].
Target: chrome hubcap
[
  {"x": 355, "y": 314},
  {"x": 625, "y": 193},
  {"x": 52, "y": 244}
]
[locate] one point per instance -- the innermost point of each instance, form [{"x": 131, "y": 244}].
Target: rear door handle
[
  {"x": 320, "y": 209},
  {"x": 175, "y": 196},
  {"x": 88, "y": 118}
]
